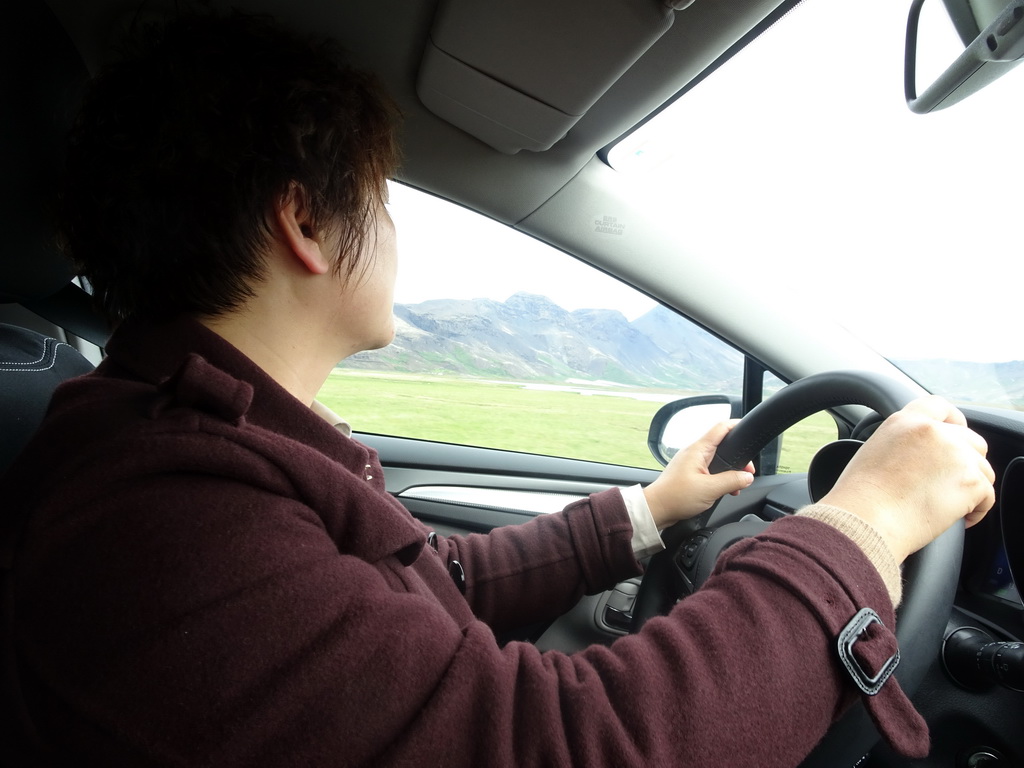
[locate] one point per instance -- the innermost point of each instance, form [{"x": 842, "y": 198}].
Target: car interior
[{"x": 511, "y": 110}]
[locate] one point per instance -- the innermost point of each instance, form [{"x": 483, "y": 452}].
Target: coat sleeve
[
  {"x": 183, "y": 632},
  {"x": 520, "y": 574}
]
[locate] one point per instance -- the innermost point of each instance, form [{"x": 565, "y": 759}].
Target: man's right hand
[{"x": 922, "y": 470}]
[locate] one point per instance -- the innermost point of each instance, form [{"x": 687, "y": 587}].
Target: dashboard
[
  {"x": 999, "y": 582},
  {"x": 994, "y": 555},
  {"x": 977, "y": 722}
]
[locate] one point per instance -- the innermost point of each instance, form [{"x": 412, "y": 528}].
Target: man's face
[{"x": 367, "y": 297}]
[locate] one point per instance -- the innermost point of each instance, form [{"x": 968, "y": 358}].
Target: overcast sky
[
  {"x": 433, "y": 232},
  {"x": 838, "y": 179}
]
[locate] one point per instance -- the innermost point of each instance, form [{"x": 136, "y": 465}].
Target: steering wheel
[{"x": 930, "y": 575}]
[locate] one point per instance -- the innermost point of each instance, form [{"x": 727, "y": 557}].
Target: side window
[
  {"x": 504, "y": 342},
  {"x": 798, "y": 444}
]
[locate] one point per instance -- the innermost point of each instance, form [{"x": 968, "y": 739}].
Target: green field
[{"x": 506, "y": 415}]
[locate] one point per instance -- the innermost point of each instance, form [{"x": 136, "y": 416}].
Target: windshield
[{"x": 810, "y": 175}]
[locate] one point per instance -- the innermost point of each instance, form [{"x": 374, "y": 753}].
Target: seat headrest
[{"x": 42, "y": 77}]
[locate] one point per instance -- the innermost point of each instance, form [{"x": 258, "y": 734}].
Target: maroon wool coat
[{"x": 214, "y": 576}]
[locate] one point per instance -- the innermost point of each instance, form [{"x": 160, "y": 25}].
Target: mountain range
[{"x": 530, "y": 338}]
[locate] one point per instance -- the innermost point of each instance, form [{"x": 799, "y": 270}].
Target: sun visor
[{"x": 519, "y": 75}]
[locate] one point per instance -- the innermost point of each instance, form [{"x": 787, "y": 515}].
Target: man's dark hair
[{"x": 184, "y": 145}]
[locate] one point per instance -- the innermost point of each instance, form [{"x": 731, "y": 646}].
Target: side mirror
[
  {"x": 995, "y": 45},
  {"x": 677, "y": 424}
]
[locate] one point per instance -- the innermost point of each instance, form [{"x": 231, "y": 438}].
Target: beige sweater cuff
[{"x": 867, "y": 538}]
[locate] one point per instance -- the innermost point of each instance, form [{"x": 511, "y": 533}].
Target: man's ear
[{"x": 298, "y": 230}]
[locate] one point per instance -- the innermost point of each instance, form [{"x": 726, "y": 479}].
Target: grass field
[{"x": 506, "y": 415}]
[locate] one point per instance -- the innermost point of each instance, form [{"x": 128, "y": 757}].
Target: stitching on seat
[{"x": 50, "y": 347}]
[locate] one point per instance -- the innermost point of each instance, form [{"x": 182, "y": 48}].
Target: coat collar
[
  {"x": 204, "y": 369},
  {"x": 195, "y": 367}
]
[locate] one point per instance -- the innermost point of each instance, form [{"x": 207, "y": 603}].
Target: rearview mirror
[
  {"x": 679, "y": 423},
  {"x": 993, "y": 34}
]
